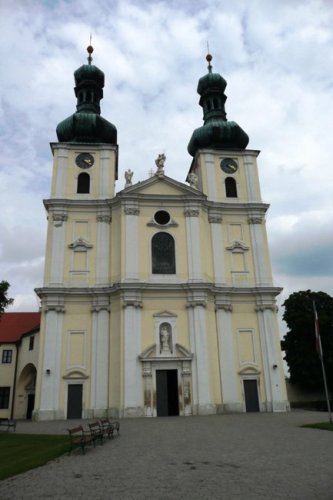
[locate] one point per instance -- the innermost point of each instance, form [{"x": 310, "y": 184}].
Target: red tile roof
[{"x": 14, "y": 325}]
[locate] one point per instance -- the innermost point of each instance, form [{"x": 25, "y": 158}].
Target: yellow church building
[{"x": 158, "y": 299}]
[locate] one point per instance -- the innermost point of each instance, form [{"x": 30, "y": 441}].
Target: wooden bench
[
  {"x": 96, "y": 432},
  {"x": 78, "y": 437},
  {"x": 7, "y": 425},
  {"x": 109, "y": 426}
]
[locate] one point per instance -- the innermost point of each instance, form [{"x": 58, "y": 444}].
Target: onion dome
[
  {"x": 217, "y": 132},
  {"x": 86, "y": 125}
]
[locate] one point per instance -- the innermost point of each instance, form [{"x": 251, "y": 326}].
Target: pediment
[
  {"x": 165, "y": 314},
  {"x": 75, "y": 375},
  {"x": 80, "y": 245},
  {"x": 161, "y": 185},
  {"x": 249, "y": 370},
  {"x": 180, "y": 352}
]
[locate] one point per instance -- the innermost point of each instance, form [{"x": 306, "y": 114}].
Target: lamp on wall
[
  {"x": 274, "y": 367},
  {"x": 48, "y": 371}
]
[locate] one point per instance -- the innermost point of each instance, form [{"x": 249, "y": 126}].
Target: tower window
[
  {"x": 215, "y": 103},
  {"x": 163, "y": 254},
  {"x": 83, "y": 183},
  {"x": 230, "y": 187},
  {"x": 209, "y": 105}
]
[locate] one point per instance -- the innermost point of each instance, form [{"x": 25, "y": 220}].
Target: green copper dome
[
  {"x": 217, "y": 132},
  {"x": 86, "y": 125}
]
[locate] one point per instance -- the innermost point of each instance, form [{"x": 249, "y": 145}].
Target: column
[
  {"x": 131, "y": 243},
  {"x": 51, "y": 369},
  {"x": 273, "y": 371},
  {"x": 103, "y": 247},
  {"x": 133, "y": 394},
  {"x": 100, "y": 358},
  {"x": 215, "y": 221},
  {"x": 202, "y": 404},
  {"x": 228, "y": 373},
  {"x": 193, "y": 244}
]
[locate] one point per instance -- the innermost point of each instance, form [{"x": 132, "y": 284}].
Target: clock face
[
  {"x": 84, "y": 160},
  {"x": 229, "y": 166}
]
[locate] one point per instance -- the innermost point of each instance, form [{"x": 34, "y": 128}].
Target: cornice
[{"x": 61, "y": 291}]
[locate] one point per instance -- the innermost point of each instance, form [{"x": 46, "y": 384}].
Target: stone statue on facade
[
  {"x": 193, "y": 180},
  {"x": 160, "y": 160},
  {"x": 165, "y": 337},
  {"x": 128, "y": 178}
]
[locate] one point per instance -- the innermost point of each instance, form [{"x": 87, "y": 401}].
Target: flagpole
[{"x": 320, "y": 354}]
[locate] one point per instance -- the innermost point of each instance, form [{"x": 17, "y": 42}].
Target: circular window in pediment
[{"x": 162, "y": 217}]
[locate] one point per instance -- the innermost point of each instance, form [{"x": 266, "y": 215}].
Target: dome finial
[
  {"x": 209, "y": 57},
  {"x": 90, "y": 50}
]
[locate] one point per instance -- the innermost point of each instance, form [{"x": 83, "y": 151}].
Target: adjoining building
[
  {"x": 158, "y": 299},
  {"x": 19, "y": 341}
]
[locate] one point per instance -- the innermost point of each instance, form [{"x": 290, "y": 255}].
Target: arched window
[
  {"x": 230, "y": 187},
  {"x": 163, "y": 254},
  {"x": 83, "y": 183},
  {"x": 215, "y": 103}
]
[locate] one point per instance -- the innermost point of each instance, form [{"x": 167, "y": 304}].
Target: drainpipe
[{"x": 14, "y": 387}]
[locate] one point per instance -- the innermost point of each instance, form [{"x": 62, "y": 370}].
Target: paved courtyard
[{"x": 242, "y": 456}]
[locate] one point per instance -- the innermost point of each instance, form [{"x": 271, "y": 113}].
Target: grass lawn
[
  {"x": 320, "y": 425},
  {"x": 21, "y": 452}
]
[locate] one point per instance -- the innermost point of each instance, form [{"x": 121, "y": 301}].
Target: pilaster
[
  {"x": 215, "y": 221},
  {"x": 132, "y": 390},
  {"x": 103, "y": 247},
  {"x": 193, "y": 243},
  {"x": 100, "y": 356},
  {"x": 131, "y": 212},
  {"x": 275, "y": 391},
  {"x": 51, "y": 369},
  {"x": 262, "y": 274},
  {"x": 229, "y": 379},
  {"x": 202, "y": 404}
]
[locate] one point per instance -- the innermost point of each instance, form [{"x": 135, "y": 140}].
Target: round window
[{"x": 162, "y": 217}]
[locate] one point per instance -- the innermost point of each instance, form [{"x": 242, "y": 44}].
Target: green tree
[
  {"x": 299, "y": 343},
  {"x": 4, "y": 300}
]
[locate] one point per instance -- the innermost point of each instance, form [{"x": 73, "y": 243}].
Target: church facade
[{"x": 158, "y": 299}]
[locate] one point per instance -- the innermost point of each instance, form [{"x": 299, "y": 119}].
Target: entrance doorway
[
  {"x": 251, "y": 395},
  {"x": 30, "y": 406},
  {"x": 74, "y": 401},
  {"x": 167, "y": 393}
]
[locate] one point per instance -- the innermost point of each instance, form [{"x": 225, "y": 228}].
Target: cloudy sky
[{"x": 277, "y": 57}]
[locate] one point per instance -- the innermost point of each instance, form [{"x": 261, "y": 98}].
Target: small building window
[
  {"x": 4, "y": 398},
  {"x": 83, "y": 183},
  {"x": 31, "y": 342},
  {"x": 163, "y": 254},
  {"x": 230, "y": 188},
  {"x": 7, "y": 355}
]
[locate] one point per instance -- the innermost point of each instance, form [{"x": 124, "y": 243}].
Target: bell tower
[{"x": 78, "y": 255}]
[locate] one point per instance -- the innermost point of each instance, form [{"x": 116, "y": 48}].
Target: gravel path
[{"x": 241, "y": 456}]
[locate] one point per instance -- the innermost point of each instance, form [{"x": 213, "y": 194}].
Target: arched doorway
[{"x": 25, "y": 392}]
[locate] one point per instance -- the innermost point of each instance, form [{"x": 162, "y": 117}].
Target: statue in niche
[
  {"x": 193, "y": 180},
  {"x": 128, "y": 178},
  {"x": 160, "y": 160},
  {"x": 165, "y": 338}
]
